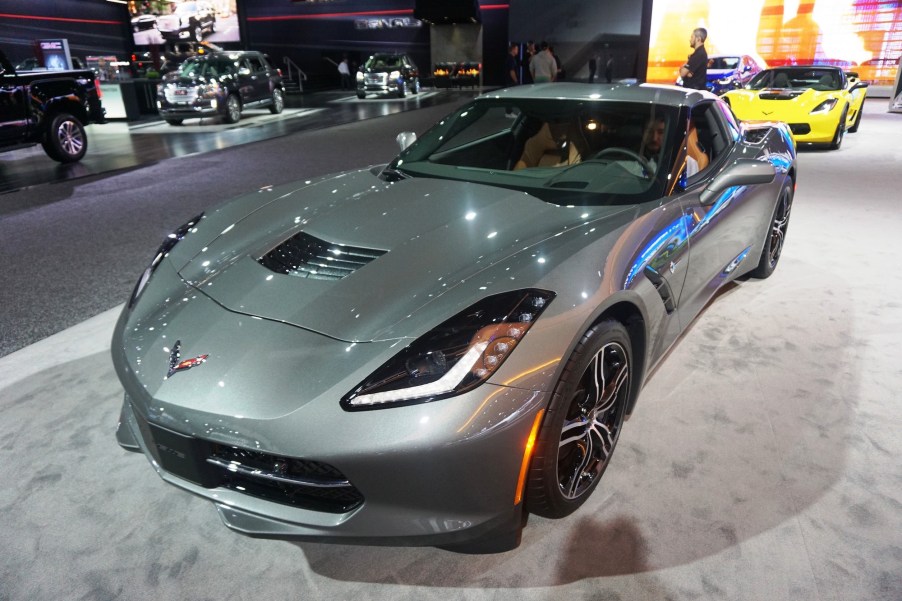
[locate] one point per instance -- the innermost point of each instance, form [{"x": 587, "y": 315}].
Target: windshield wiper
[{"x": 393, "y": 175}]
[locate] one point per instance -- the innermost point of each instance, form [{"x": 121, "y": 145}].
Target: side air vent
[{"x": 305, "y": 256}]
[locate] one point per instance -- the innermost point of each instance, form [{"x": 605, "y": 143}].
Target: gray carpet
[{"x": 762, "y": 462}]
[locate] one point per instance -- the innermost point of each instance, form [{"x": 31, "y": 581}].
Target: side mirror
[
  {"x": 744, "y": 172},
  {"x": 859, "y": 85},
  {"x": 405, "y": 139}
]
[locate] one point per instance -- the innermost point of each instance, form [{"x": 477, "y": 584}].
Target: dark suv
[
  {"x": 220, "y": 83},
  {"x": 392, "y": 73}
]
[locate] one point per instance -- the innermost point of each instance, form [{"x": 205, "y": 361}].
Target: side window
[{"x": 255, "y": 64}]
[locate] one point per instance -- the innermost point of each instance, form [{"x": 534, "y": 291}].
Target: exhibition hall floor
[{"x": 761, "y": 463}]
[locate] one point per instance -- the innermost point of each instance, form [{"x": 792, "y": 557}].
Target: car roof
[{"x": 660, "y": 94}]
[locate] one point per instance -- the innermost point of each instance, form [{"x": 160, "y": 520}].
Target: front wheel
[
  {"x": 773, "y": 245},
  {"x": 583, "y": 422},
  {"x": 278, "y": 102},
  {"x": 361, "y": 95},
  {"x": 840, "y": 131},
  {"x": 233, "y": 109},
  {"x": 65, "y": 140},
  {"x": 402, "y": 89}
]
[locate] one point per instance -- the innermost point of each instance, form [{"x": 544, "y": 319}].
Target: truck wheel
[
  {"x": 65, "y": 140},
  {"x": 278, "y": 102}
]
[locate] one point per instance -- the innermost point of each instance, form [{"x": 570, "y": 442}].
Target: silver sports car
[{"x": 421, "y": 353}]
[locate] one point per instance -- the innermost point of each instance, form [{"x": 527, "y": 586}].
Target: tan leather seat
[
  {"x": 694, "y": 148},
  {"x": 542, "y": 150}
]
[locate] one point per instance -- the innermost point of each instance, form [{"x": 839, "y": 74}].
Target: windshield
[
  {"x": 797, "y": 78},
  {"x": 384, "y": 61},
  {"x": 723, "y": 62},
  {"x": 204, "y": 67},
  {"x": 562, "y": 151}
]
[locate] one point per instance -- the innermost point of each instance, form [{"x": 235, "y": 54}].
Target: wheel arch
[
  {"x": 63, "y": 105},
  {"x": 632, "y": 318}
]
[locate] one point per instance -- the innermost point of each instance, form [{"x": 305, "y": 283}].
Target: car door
[
  {"x": 259, "y": 79},
  {"x": 722, "y": 231}
]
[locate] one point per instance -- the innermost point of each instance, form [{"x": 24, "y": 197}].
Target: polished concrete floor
[
  {"x": 762, "y": 461},
  {"x": 118, "y": 145}
]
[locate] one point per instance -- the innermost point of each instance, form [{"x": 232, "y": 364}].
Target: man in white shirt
[{"x": 543, "y": 67}]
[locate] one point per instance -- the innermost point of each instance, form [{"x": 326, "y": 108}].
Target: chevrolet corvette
[
  {"x": 428, "y": 351},
  {"x": 819, "y": 102}
]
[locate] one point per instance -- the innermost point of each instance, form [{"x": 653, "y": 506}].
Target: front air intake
[{"x": 306, "y": 256}]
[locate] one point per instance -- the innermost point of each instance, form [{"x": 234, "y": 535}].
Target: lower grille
[{"x": 301, "y": 483}]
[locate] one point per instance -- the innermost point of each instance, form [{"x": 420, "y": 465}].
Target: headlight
[
  {"x": 170, "y": 241},
  {"x": 456, "y": 356},
  {"x": 824, "y": 107},
  {"x": 359, "y": 76},
  {"x": 394, "y": 75}
]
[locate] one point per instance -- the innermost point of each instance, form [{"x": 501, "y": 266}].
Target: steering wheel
[{"x": 646, "y": 165}]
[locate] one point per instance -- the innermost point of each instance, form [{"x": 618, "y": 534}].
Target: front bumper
[
  {"x": 438, "y": 474},
  {"x": 379, "y": 83},
  {"x": 200, "y": 107}
]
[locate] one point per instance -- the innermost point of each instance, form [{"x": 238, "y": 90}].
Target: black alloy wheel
[
  {"x": 402, "y": 88},
  {"x": 773, "y": 245},
  {"x": 840, "y": 131},
  {"x": 583, "y": 422},
  {"x": 65, "y": 140}
]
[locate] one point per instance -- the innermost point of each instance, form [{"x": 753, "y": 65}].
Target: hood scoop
[
  {"x": 306, "y": 256},
  {"x": 780, "y": 94}
]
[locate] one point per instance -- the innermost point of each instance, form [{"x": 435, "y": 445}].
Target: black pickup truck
[{"x": 50, "y": 108}]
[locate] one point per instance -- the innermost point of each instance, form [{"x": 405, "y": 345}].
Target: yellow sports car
[{"x": 819, "y": 102}]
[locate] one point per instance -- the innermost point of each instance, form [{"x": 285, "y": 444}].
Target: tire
[
  {"x": 416, "y": 86},
  {"x": 65, "y": 140},
  {"x": 855, "y": 125},
  {"x": 174, "y": 121},
  {"x": 776, "y": 236},
  {"x": 402, "y": 89},
  {"x": 198, "y": 32},
  {"x": 278, "y": 102},
  {"x": 583, "y": 422},
  {"x": 233, "y": 109},
  {"x": 840, "y": 131},
  {"x": 361, "y": 95}
]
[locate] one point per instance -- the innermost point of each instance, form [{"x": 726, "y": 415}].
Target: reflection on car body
[{"x": 422, "y": 353}]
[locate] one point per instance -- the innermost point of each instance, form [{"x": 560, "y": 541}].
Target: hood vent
[
  {"x": 780, "y": 94},
  {"x": 305, "y": 256}
]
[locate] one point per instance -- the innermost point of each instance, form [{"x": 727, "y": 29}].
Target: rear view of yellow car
[{"x": 819, "y": 102}]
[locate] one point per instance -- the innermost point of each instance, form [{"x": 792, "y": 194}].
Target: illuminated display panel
[
  {"x": 174, "y": 21},
  {"x": 860, "y": 35}
]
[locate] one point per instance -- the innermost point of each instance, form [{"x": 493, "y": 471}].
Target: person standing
[
  {"x": 512, "y": 66},
  {"x": 543, "y": 67},
  {"x": 528, "y": 53},
  {"x": 345, "y": 72},
  {"x": 695, "y": 71}
]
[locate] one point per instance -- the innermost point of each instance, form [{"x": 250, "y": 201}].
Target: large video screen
[
  {"x": 864, "y": 36},
  {"x": 173, "y": 21}
]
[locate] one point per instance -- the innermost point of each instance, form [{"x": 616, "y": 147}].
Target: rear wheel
[
  {"x": 361, "y": 95},
  {"x": 773, "y": 245},
  {"x": 402, "y": 89},
  {"x": 583, "y": 422},
  {"x": 278, "y": 102},
  {"x": 65, "y": 140},
  {"x": 840, "y": 131},
  {"x": 233, "y": 109},
  {"x": 198, "y": 32}
]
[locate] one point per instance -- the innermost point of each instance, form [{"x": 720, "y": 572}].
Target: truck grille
[{"x": 180, "y": 94}]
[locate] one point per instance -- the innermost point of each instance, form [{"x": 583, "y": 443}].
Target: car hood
[
  {"x": 428, "y": 237},
  {"x": 775, "y": 101}
]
